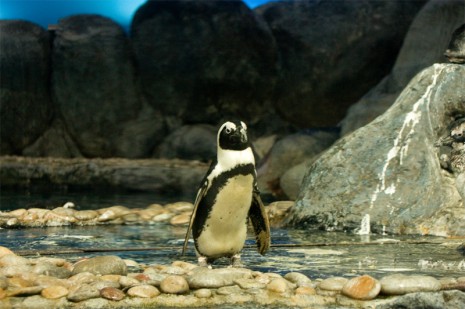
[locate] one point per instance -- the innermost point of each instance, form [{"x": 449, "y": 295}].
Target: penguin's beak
[{"x": 239, "y": 136}]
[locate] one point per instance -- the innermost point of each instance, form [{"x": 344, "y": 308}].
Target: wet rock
[
  {"x": 144, "y": 291},
  {"x": 83, "y": 292},
  {"x": 216, "y": 278},
  {"x": 174, "y": 285},
  {"x": 298, "y": 279},
  {"x": 112, "y": 213},
  {"x": 54, "y": 292},
  {"x": 23, "y": 291},
  {"x": 248, "y": 283},
  {"x": 399, "y": 284},
  {"x": 305, "y": 290},
  {"x": 424, "y": 45},
  {"x": 443, "y": 300},
  {"x": 126, "y": 282},
  {"x": 86, "y": 215},
  {"x": 203, "y": 293},
  {"x": 3, "y": 282},
  {"x": 277, "y": 286},
  {"x": 101, "y": 265},
  {"x": 333, "y": 284},
  {"x": 181, "y": 219},
  {"x": 363, "y": 288},
  {"x": 387, "y": 177},
  {"x": 24, "y": 91},
  {"x": 112, "y": 293},
  {"x": 4, "y": 251},
  {"x": 50, "y": 269}
]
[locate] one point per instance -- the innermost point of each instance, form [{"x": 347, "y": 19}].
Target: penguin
[{"x": 227, "y": 198}]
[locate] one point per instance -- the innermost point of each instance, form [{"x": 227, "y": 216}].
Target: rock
[
  {"x": 424, "y": 45},
  {"x": 356, "y": 41},
  {"x": 215, "y": 278},
  {"x": 232, "y": 290},
  {"x": 4, "y": 251},
  {"x": 3, "y": 282},
  {"x": 333, "y": 284},
  {"x": 443, "y": 300},
  {"x": 397, "y": 180},
  {"x": 399, "y": 284},
  {"x": 101, "y": 284},
  {"x": 181, "y": 219},
  {"x": 54, "y": 292},
  {"x": 13, "y": 260},
  {"x": 182, "y": 177},
  {"x": 288, "y": 152},
  {"x": 38, "y": 302},
  {"x": 277, "y": 211},
  {"x": 85, "y": 215},
  {"x": 190, "y": 142},
  {"x": 204, "y": 61},
  {"x": 144, "y": 291},
  {"x": 83, "y": 292},
  {"x": 174, "y": 285},
  {"x": 126, "y": 282},
  {"x": 203, "y": 293},
  {"x": 305, "y": 290},
  {"x": 2, "y": 293},
  {"x": 24, "y": 90},
  {"x": 364, "y": 288},
  {"x": 25, "y": 291},
  {"x": 101, "y": 265},
  {"x": 83, "y": 277},
  {"x": 93, "y": 45},
  {"x": 298, "y": 279},
  {"x": 112, "y": 293},
  {"x": 277, "y": 285},
  {"x": 248, "y": 283},
  {"x": 49, "y": 269}
]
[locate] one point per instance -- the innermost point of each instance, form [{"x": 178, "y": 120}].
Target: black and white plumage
[{"x": 228, "y": 197}]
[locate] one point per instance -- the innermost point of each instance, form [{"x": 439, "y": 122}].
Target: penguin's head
[
  {"x": 233, "y": 136},
  {"x": 458, "y": 132}
]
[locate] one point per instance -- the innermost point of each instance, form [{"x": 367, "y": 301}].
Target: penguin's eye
[{"x": 227, "y": 130}]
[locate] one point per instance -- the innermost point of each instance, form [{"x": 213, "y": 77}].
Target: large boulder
[
  {"x": 424, "y": 45},
  {"x": 333, "y": 52},
  {"x": 204, "y": 61},
  {"x": 25, "y": 104},
  {"x": 95, "y": 89},
  {"x": 389, "y": 169}
]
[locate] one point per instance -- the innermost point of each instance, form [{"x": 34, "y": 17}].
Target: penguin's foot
[
  {"x": 203, "y": 262},
  {"x": 236, "y": 261}
]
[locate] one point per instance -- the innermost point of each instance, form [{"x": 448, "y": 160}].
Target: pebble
[
  {"x": 305, "y": 290},
  {"x": 112, "y": 293},
  {"x": 2, "y": 293},
  {"x": 32, "y": 290},
  {"x": 126, "y": 282},
  {"x": 399, "y": 284},
  {"x": 181, "y": 219},
  {"x": 298, "y": 279},
  {"x": 83, "y": 292},
  {"x": 364, "y": 288},
  {"x": 3, "y": 282},
  {"x": 54, "y": 292},
  {"x": 5, "y": 251},
  {"x": 333, "y": 284},
  {"x": 203, "y": 293},
  {"x": 174, "y": 285},
  {"x": 49, "y": 269},
  {"x": 13, "y": 260},
  {"x": 203, "y": 277},
  {"x": 247, "y": 283},
  {"x": 85, "y": 215},
  {"x": 277, "y": 286},
  {"x": 101, "y": 265},
  {"x": 144, "y": 291},
  {"x": 229, "y": 290}
]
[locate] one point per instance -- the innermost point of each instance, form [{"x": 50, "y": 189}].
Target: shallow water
[{"x": 316, "y": 254}]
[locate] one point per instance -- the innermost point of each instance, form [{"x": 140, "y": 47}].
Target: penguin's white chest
[{"x": 225, "y": 229}]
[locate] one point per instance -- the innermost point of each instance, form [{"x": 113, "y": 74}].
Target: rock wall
[
  {"x": 390, "y": 169},
  {"x": 88, "y": 90}
]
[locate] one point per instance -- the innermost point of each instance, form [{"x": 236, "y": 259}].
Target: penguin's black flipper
[
  {"x": 260, "y": 223},
  {"x": 198, "y": 198}
]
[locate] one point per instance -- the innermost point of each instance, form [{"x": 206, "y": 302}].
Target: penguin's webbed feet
[
  {"x": 203, "y": 262},
  {"x": 236, "y": 261}
]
